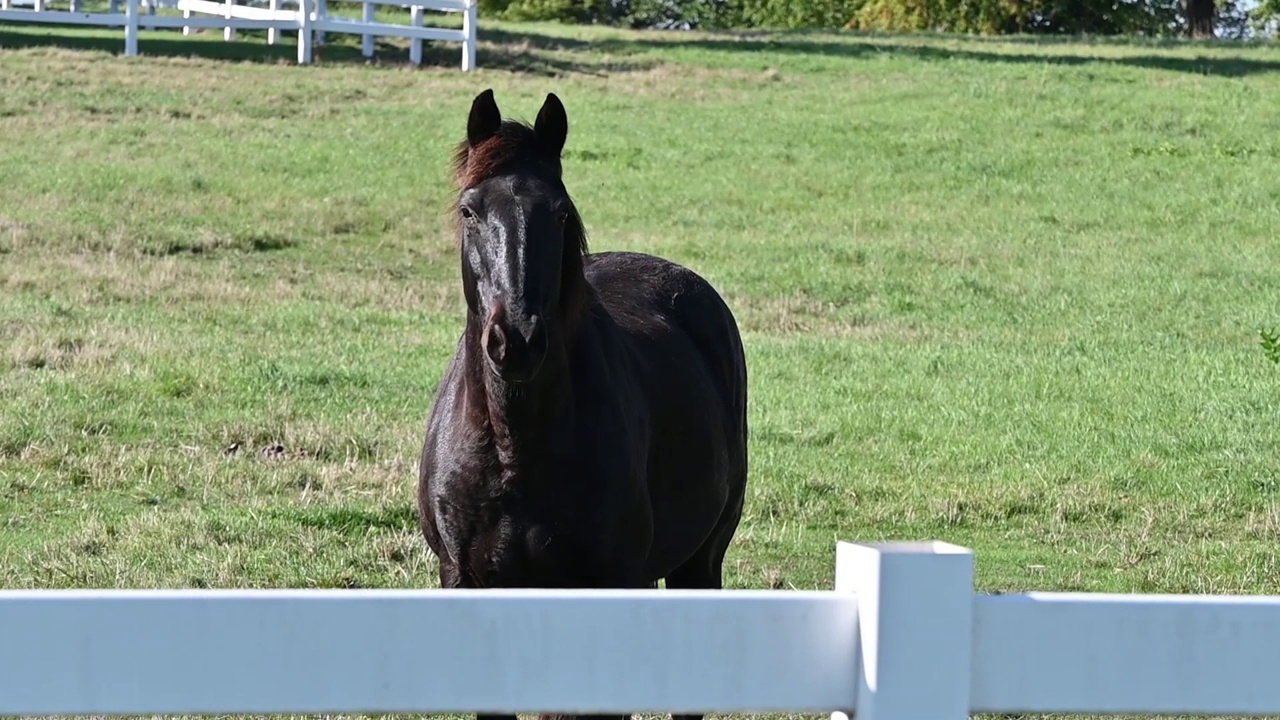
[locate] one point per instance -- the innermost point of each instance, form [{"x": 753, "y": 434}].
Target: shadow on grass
[
  {"x": 250, "y": 46},
  {"x": 539, "y": 53},
  {"x": 802, "y": 43}
]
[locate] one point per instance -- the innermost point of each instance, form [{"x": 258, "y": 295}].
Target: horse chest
[{"x": 558, "y": 527}]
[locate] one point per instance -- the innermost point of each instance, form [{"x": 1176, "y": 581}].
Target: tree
[
  {"x": 1201, "y": 16},
  {"x": 1265, "y": 17},
  {"x": 1197, "y": 18}
]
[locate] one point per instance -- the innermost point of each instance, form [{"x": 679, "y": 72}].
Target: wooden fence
[
  {"x": 902, "y": 636},
  {"x": 310, "y": 19}
]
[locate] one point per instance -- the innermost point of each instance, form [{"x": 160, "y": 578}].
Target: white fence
[
  {"x": 902, "y": 636},
  {"x": 309, "y": 18}
]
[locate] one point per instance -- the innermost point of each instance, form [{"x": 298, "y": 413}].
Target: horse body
[
  {"x": 639, "y": 460},
  {"x": 591, "y": 429}
]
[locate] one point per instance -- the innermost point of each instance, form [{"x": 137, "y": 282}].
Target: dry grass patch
[
  {"x": 34, "y": 347},
  {"x": 689, "y": 83},
  {"x": 799, "y": 313}
]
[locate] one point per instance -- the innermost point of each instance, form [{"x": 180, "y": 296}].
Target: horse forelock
[{"x": 514, "y": 142}]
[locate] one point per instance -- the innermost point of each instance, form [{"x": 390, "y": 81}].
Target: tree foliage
[
  {"x": 1066, "y": 17},
  {"x": 1265, "y": 17}
]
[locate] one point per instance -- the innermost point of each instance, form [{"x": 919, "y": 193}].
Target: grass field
[{"x": 1003, "y": 293}]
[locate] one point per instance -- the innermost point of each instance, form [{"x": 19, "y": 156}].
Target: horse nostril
[
  {"x": 515, "y": 350},
  {"x": 495, "y": 343}
]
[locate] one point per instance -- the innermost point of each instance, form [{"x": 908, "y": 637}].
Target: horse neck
[{"x": 525, "y": 421}]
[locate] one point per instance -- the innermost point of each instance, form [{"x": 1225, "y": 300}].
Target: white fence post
[
  {"x": 229, "y": 32},
  {"x": 306, "y": 36},
  {"x": 367, "y": 40},
  {"x": 273, "y": 34},
  {"x": 469, "y": 36},
  {"x": 131, "y": 28},
  {"x": 415, "y": 46},
  {"x": 915, "y": 626}
]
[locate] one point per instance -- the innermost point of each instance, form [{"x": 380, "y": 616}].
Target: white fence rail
[
  {"x": 309, "y": 18},
  {"x": 901, "y": 636}
]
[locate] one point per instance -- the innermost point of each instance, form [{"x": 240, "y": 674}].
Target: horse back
[{"x": 648, "y": 296}]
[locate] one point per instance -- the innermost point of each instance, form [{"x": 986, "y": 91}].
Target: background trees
[{"x": 1158, "y": 18}]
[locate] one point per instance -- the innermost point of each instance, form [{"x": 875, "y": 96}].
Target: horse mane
[{"x": 514, "y": 145}]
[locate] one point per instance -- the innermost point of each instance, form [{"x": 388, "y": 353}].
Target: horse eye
[{"x": 467, "y": 214}]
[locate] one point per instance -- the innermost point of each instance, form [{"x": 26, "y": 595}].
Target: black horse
[{"x": 591, "y": 428}]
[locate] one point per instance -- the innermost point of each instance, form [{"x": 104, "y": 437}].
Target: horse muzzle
[{"x": 514, "y": 346}]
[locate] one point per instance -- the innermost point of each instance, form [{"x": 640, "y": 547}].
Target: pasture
[{"x": 1003, "y": 293}]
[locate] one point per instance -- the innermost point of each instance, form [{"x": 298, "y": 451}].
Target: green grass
[{"x": 1005, "y": 293}]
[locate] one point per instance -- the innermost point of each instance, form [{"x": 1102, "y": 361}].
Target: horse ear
[
  {"x": 484, "y": 119},
  {"x": 552, "y": 125}
]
